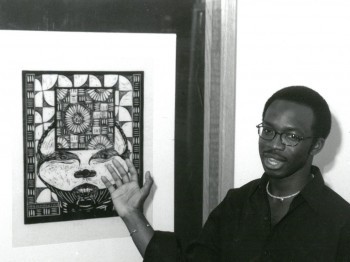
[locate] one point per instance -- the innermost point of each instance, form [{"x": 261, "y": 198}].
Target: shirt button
[
  {"x": 266, "y": 253},
  {"x": 266, "y": 218}
]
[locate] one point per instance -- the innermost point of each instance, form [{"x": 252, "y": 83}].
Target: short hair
[{"x": 308, "y": 97}]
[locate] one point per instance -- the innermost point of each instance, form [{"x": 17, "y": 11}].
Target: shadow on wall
[{"x": 326, "y": 160}]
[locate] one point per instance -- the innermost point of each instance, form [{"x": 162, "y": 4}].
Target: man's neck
[{"x": 290, "y": 184}]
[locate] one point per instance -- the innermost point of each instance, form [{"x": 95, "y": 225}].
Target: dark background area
[{"x": 183, "y": 17}]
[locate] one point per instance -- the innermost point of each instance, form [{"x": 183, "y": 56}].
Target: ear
[
  {"x": 120, "y": 141},
  {"x": 317, "y": 146},
  {"x": 47, "y": 143}
]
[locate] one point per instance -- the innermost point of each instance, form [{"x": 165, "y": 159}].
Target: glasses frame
[{"x": 300, "y": 138}]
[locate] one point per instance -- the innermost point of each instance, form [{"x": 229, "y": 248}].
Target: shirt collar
[{"x": 311, "y": 193}]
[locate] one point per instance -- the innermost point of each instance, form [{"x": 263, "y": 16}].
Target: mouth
[
  {"x": 85, "y": 190},
  {"x": 273, "y": 161},
  {"x": 84, "y": 195}
]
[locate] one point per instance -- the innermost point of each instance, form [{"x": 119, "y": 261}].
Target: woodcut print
[{"x": 74, "y": 124}]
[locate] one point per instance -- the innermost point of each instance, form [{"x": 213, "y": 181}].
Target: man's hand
[
  {"x": 127, "y": 196},
  {"x": 128, "y": 199}
]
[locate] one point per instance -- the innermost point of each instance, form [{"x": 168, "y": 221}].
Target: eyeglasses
[{"x": 288, "y": 139}]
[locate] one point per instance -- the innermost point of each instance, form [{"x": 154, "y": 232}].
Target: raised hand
[{"x": 127, "y": 196}]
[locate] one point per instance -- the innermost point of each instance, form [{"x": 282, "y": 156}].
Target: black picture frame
[{"x": 185, "y": 18}]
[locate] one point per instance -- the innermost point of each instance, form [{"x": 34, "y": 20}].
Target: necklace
[{"x": 279, "y": 197}]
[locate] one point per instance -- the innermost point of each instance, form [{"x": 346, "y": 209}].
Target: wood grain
[{"x": 219, "y": 102}]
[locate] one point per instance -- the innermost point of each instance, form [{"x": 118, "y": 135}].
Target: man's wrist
[{"x": 131, "y": 213}]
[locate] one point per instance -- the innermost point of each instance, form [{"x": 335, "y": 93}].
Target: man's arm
[
  {"x": 343, "y": 253},
  {"x": 128, "y": 199}
]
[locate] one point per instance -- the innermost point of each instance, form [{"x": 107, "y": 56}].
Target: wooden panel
[
  {"x": 228, "y": 77},
  {"x": 220, "y": 50}
]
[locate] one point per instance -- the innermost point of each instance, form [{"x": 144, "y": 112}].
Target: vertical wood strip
[
  {"x": 220, "y": 42},
  {"x": 211, "y": 108},
  {"x": 227, "y": 99}
]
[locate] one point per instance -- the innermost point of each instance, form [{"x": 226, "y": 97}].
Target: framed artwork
[
  {"x": 74, "y": 124},
  {"x": 52, "y": 104}
]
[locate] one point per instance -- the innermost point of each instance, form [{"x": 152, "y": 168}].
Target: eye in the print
[
  {"x": 104, "y": 155},
  {"x": 67, "y": 162},
  {"x": 63, "y": 157}
]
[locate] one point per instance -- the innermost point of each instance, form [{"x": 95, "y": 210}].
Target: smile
[
  {"x": 275, "y": 157},
  {"x": 273, "y": 163}
]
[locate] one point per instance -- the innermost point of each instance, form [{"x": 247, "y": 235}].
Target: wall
[
  {"x": 183, "y": 17},
  {"x": 104, "y": 239},
  {"x": 293, "y": 42}
]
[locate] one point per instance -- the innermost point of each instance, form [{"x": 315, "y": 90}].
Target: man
[{"x": 286, "y": 215}]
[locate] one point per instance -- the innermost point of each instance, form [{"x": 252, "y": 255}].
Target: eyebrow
[{"x": 290, "y": 128}]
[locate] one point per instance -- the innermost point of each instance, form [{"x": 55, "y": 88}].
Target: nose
[
  {"x": 85, "y": 173},
  {"x": 276, "y": 142}
]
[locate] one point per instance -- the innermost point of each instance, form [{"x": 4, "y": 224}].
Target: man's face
[{"x": 279, "y": 160}]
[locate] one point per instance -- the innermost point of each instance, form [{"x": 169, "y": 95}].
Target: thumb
[{"x": 147, "y": 185}]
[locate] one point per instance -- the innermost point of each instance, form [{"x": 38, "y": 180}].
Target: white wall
[
  {"x": 104, "y": 239},
  {"x": 293, "y": 42}
]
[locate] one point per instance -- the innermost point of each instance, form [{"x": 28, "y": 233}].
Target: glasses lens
[
  {"x": 266, "y": 133},
  {"x": 290, "y": 139}
]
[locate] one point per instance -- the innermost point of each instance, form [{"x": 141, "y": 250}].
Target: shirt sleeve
[
  {"x": 207, "y": 246},
  {"x": 343, "y": 253},
  {"x": 165, "y": 247}
]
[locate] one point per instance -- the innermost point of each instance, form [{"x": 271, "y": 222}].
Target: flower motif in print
[
  {"x": 100, "y": 94},
  {"x": 62, "y": 143},
  {"x": 77, "y": 119},
  {"x": 100, "y": 142}
]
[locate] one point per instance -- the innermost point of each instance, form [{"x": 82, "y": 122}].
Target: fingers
[
  {"x": 147, "y": 185},
  {"x": 115, "y": 175},
  {"x": 108, "y": 184},
  {"x": 123, "y": 174},
  {"x": 132, "y": 170}
]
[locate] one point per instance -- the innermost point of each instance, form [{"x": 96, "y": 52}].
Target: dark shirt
[{"x": 316, "y": 228}]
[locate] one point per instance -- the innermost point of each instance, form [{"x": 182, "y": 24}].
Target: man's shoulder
[
  {"x": 245, "y": 190},
  {"x": 333, "y": 200},
  {"x": 236, "y": 198},
  {"x": 333, "y": 207}
]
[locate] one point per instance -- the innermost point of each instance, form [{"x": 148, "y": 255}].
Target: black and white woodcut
[{"x": 74, "y": 124}]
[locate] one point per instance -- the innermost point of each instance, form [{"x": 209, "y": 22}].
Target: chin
[
  {"x": 276, "y": 173},
  {"x": 280, "y": 173}
]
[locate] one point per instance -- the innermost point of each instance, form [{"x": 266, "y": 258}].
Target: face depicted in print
[{"x": 75, "y": 175}]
